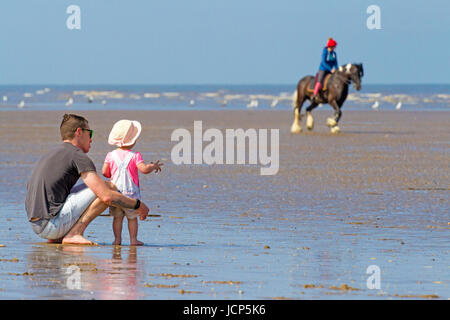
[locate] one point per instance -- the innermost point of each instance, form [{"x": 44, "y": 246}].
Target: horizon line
[{"x": 198, "y": 84}]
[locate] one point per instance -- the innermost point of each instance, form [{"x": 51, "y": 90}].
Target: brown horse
[{"x": 335, "y": 94}]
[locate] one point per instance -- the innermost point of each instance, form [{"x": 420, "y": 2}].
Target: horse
[{"x": 334, "y": 92}]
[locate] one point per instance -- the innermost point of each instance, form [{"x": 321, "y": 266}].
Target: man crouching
[{"x": 56, "y": 209}]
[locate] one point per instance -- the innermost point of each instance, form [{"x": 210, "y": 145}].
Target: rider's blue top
[{"x": 329, "y": 60}]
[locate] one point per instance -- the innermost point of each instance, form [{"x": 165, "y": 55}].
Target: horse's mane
[{"x": 346, "y": 68}]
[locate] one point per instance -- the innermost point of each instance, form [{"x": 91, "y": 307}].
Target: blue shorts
[{"x": 77, "y": 202}]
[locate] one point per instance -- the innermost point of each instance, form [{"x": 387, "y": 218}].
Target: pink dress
[
  {"x": 125, "y": 176},
  {"x": 119, "y": 158}
]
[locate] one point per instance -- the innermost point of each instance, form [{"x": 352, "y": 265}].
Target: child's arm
[
  {"x": 148, "y": 168},
  {"x": 106, "y": 171}
]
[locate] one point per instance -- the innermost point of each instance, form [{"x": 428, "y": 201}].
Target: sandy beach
[{"x": 375, "y": 194}]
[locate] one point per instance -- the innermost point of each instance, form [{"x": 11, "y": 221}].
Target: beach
[{"x": 374, "y": 195}]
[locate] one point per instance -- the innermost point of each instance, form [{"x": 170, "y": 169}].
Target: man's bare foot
[
  {"x": 117, "y": 242},
  {"x": 78, "y": 239},
  {"x": 136, "y": 243}
]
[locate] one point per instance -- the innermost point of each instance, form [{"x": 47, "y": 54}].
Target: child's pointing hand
[{"x": 157, "y": 166}]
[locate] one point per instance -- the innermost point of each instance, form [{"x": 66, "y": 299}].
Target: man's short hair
[{"x": 70, "y": 124}]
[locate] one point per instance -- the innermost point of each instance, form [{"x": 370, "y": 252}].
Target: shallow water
[
  {"x": 377, "y": 194},
  {"x": 210, "y": 97}
]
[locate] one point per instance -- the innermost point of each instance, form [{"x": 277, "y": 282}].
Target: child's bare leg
[
  {"x": 133, "y": 229},
  {"x": 117, "y": 229}
]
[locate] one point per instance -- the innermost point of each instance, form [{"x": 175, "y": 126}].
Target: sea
[{"x": 419, "y": 97}]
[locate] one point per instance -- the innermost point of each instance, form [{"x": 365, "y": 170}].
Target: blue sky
[{"x": 219, "y": 41}]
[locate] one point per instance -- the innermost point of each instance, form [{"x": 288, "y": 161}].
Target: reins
[{"x": 346, "y": 80}]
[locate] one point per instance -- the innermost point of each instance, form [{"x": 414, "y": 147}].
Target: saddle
[{"x": 313, "y": 83}]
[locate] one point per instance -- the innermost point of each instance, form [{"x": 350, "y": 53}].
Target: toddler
[{"x": 122, "y": 166}]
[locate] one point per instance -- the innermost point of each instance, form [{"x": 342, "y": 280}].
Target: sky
[{"x": 220, "y": 41}]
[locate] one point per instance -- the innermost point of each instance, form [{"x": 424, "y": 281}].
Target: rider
[{"x": 327, "y": 65}]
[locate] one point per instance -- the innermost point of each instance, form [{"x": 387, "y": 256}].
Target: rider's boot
[{"x": 316, "y": 92}]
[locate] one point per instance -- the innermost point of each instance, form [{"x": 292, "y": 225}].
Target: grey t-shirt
[{"x": 52, "y": 178}]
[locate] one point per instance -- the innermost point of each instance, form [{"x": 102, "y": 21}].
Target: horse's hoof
[
  {"x": 296, "y": 128},
  {"x": 331, "y": 122},
  {"x": 310, "y": 122},
  {"x": 335, "y": 129}
]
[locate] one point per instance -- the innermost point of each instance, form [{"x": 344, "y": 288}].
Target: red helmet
[{"x": 331, "y": 43}]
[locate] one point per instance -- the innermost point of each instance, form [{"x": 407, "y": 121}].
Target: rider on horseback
[{"x": 327, "y": 65}]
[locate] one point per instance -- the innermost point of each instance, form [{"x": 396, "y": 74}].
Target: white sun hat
[{"x": 124, "y": 133}]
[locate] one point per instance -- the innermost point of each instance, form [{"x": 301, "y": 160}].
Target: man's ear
[{"x": 78, "y": 132}]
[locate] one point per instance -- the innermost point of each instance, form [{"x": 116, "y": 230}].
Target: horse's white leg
[
  {"x": 335, "y": 129},
  {"x": 295, "y": 128},
  {"x": 331, "y": 122},
  {"x": 309, "y": 121}
]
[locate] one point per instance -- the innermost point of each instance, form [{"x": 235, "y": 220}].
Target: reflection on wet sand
[
  {"x": 120, "y": 281},
  {"x": 53, "y": 266},
  {"x": 377, "y": 194}
]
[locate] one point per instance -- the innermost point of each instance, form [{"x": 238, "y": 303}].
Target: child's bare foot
[
  {"x": 117, "y": 242},
  {"x": 77, "y": 239},
  {"x": 136, "y": 243}
]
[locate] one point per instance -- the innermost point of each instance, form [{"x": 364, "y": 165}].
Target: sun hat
[
  {"x": 331, "y": 43},
  {"x": 124, "y": 133}
]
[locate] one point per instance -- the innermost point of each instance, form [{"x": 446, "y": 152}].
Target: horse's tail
[{"x": 294, "y": 99}]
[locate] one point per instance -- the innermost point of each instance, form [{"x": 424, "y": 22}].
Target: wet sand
[{"x": 376, "y": 194}]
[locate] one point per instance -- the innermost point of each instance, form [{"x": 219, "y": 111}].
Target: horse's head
[{"x": 354, "y": 72}]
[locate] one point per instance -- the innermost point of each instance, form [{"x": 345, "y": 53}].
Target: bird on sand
[
  {"x": 375, "y": 105},
  {"x": 253, "y": 104}
]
